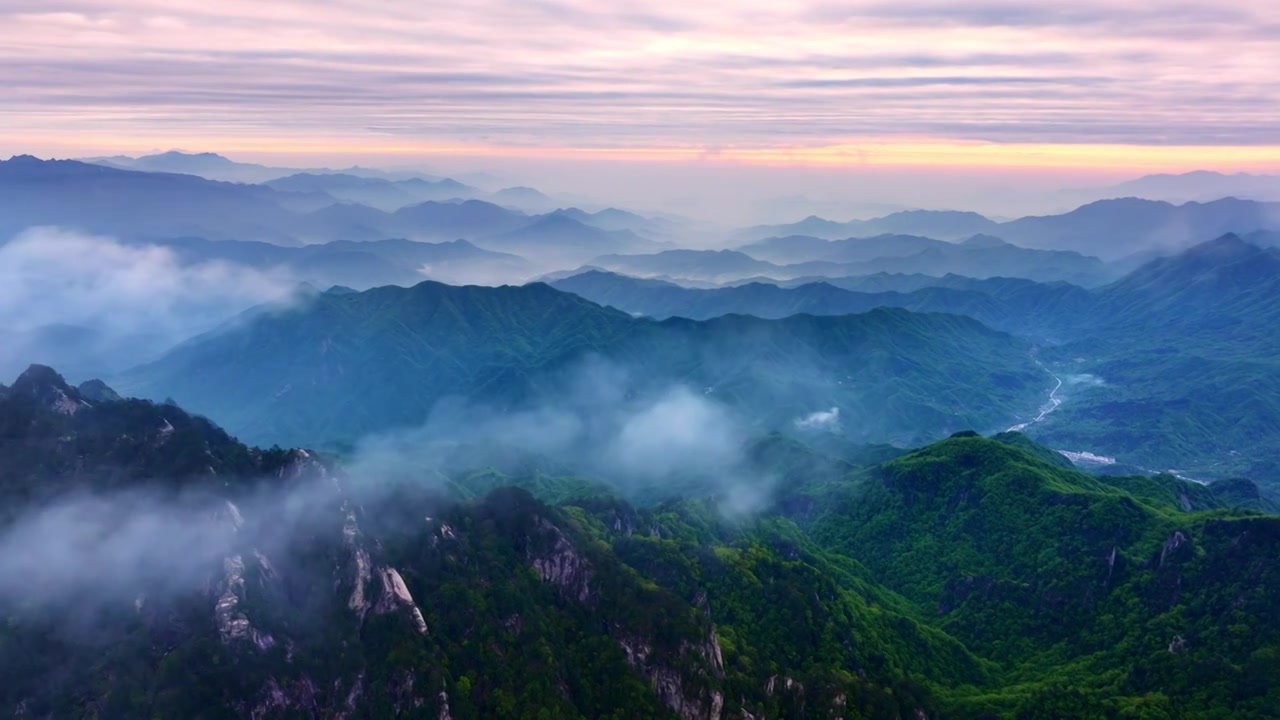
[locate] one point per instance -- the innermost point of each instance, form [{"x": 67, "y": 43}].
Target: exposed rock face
[
  {"x": 395, "y": 596},
  {"x": 298, "y": 696},
  {"x": 355, "y": 693},
  {"x": 301, "y": 463},
  {"x": 233, "y": 624},
  {"x": 401, "y": 688},
  {"x": 637, "y": 651},
  {"x": 711, "y": 653},
  {"x": 46, "y": 386},
  {"x": 360, "y": 567},
  {"x": 392, "y": 593},
  {"x": 1177, "y": 540},
  {"x": 787, "y": 684},
  {"x": 669, "y": 688},
  {"x": 562, "y": 565},
  {"x": 669, "y": 685},
  {"x": 444, "y": 706},
  {"x": 1184, "y": 500},
  {"x": 232, "y": 515}
]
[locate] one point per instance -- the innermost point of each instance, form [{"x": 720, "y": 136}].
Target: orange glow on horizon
[{"x": 887, "y": 153}]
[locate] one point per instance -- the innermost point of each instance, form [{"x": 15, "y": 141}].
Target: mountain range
[
  {"x": 359, "y": 265},
  {"x": 345, "y": 365},
  {"x": 126, "y": 203},
  {"x": 1195, "y": 186},
  {"x": 381, "y": 193},
  {"x": 298, "y": 209},
  {"x": 980, "y": 257},
  {"x": 942, "y": 224},
  {"x": 1184, "y": 339},
  {"x": 213, "y": 166},
  {"x": 1111, "y": 229},
  {"x": 1005, "y": 304},
  {"x": 927, "y": 466},
  {"x": 971, "y": 578}
]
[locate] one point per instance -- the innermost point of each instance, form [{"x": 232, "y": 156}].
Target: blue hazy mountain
[
  {"x": 343, "y": 365},
  {"x": 1110, "y": 229},
  {"x": 979, "y": 256}
]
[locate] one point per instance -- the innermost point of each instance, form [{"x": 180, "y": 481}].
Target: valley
[{"x": 1053, "y": 404}]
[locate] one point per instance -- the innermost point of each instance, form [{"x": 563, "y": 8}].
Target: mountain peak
[
  {"x": 1227, "y": 264},
  {"x": 1227, "y": 248},
  {"x": 30, "y": 160},
  {"x": 38, "y": 376},
  {"x": 181, "y": 155},
  {"x": 984, "y": 241},
  {"x": 97, "y": 391},
  {"x": 521, "y": 192},
  {"x": 44, "y": 385}
]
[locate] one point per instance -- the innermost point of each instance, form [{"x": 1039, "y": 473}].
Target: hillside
[
  {"x": 1166, "y": 368},
  {"x": 345, "y": 365},
  {"x": 99, "y": 199},
  {"x": 966, "y": 579},
  {"x": 1030, "y": 564}
]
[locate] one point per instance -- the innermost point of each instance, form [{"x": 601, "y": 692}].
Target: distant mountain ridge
[
  {"x": 132, "y": 204},
  {"x": 941, "y": 224},
  {"x": 1028, "y": 309},
  {"x": 217, "y": 167},
  {"x": 1197, "y": 185},
  {"x": 893, "y": 254},
  {"x": 388, "y": 195},
  {"x": 1110, "y": 229},
  {"x": 1172, "y": 365}
]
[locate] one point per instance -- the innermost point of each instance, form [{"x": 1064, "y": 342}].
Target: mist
[
  {"x": 87, "y": 552},
  {"x": 647, "y": 443},
  {"x": 91, "y": 305}
]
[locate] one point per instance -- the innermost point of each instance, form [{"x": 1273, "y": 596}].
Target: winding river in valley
[{"x": 1054, "y": 402}]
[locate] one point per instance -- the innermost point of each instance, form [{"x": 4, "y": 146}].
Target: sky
[{"x": 1084, "y": 88}]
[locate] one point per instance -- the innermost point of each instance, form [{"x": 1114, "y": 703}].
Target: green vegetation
[
  {"x": 1172, "y": 367},
  {"x": 1186, "y": 350},
  {"x": 972, "y": 578},
  {"x": 342, "y": 366}
]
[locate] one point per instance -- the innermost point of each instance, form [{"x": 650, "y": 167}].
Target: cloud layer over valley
[{"x": 81, "y": 302}]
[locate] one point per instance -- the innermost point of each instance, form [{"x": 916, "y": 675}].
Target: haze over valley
[{"x": 676, "y": 363}]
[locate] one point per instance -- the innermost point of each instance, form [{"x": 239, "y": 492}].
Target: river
[{"x": 1054, "y": 402}]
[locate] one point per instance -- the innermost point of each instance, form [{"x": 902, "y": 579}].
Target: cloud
[
  {"x": 648, "y": 442},
  {"x": 122, "y": 301},
  {"x": 828, "y": 420},
  {"x": 86, "y": 552},
  {"x": 674, "y": 74}
]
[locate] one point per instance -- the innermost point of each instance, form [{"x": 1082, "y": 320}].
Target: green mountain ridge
[
  {"x": 342, "y": 366},
  {"x": 965, "y": 579},
  {"x": 1171, "y": 367}
]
